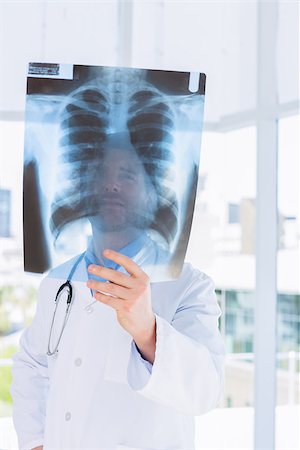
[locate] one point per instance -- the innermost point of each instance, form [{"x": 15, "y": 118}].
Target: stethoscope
[{"x": 65, "y": 287}]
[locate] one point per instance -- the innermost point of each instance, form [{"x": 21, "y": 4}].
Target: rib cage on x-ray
[
  {"x": 84, "y": 126},
  {"x": 90, "y": 113}
]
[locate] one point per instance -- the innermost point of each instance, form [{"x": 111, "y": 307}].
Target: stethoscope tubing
[{"x": 67, "y": 285}]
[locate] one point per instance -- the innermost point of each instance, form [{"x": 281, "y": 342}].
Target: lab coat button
[
  {"x": 78, "y": 362},
  {"x": 68, "y": 416}
]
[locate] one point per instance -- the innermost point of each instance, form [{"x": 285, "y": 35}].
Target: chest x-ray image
[{"x": 111, "y": 155}]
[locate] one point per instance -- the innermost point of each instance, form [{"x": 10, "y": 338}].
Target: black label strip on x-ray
[{"x": 49, "y": 70}]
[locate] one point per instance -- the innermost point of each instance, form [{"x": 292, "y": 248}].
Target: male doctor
[{"x": 137, "y": 360}]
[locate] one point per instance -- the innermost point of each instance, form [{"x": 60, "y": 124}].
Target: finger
[
  {"x": 111, "y": 289},
  {"x": 115, "y": 303},
  {"x": 130, "y": 266},
  {"x": 112, "y": 275}
]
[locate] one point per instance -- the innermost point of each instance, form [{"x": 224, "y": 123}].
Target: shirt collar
[{"x": 129, "y": 250}]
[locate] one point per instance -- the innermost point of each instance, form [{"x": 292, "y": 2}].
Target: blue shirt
[{"x": 129, "y": 250}]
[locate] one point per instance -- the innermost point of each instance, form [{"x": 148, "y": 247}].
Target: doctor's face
[{"x": 124, "y": 192}]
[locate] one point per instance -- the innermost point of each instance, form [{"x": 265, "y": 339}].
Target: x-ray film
[{"x": 111, "y": 160}]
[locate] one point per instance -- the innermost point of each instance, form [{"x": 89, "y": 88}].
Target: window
[{"x": 288, "y": 298}]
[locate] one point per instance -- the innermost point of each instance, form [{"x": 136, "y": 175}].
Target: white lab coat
[{"x": 97, "y": 393}]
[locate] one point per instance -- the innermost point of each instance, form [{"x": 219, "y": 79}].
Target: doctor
[{"x": 137, "y": 360}]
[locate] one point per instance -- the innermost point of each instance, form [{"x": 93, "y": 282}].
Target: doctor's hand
[{"x": 130, "y": 296}]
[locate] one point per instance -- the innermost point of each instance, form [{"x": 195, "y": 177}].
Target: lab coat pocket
[
  {"x": 129, "y": 447},
  {"x": 126, "y": 447}
]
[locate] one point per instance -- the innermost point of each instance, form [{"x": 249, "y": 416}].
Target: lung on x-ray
[{"x": 111, "y": 160}]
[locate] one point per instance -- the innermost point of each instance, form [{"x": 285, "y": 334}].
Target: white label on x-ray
[
  {"x": 50, "y": 70},
  {"x": 194, "y": 81}
]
